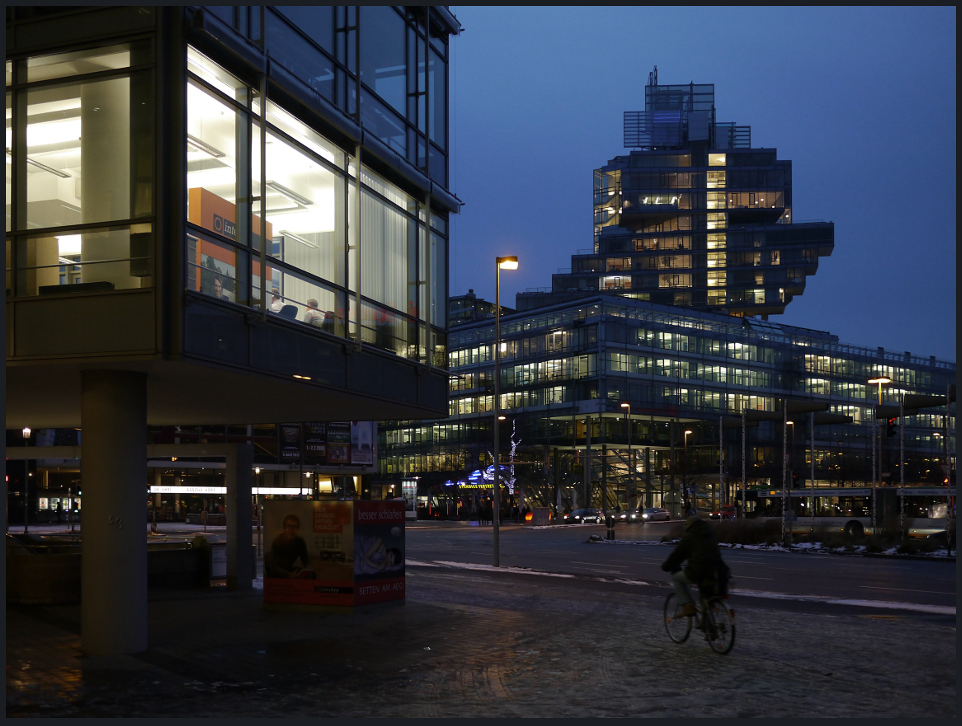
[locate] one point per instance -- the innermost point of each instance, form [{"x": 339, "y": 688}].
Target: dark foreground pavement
[{"x": 480, "y": 644}]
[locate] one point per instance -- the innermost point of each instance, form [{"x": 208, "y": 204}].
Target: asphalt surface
[{"x": 477, "y": 643}]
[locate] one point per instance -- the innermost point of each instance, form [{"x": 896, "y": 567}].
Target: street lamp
[
  {"x": 879, "y": 381},
  {"x": 26, "y": 481},
  {"x": 501, "y": 263},
  {"x": 631, "y": 469},
  {"x": 684, "y": 477}
]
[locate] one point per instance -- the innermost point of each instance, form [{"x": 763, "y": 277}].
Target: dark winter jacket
[{"x": 700, "y": 547}]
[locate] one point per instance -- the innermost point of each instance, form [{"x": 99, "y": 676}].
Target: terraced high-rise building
[{"x": 693, "y": 216}]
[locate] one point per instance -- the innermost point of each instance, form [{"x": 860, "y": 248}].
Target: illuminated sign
[{"x": 281, "y": 491}]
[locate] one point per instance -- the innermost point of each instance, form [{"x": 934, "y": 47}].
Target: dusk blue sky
[{"x": 861, "y": 100}]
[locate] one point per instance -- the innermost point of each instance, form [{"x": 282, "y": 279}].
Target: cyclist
[{"x": 705, "y": 567}]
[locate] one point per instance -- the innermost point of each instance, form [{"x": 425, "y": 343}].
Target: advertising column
[
  {"x": 335, "y": 553},
  {"x": 378, "y": 551},
  {"x": 309, "y": 560}
]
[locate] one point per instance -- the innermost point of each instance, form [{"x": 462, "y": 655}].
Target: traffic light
[{"x": 890, "y": 427}]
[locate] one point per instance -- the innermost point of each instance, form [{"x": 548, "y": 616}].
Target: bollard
[{"x": 610, "y": 524}]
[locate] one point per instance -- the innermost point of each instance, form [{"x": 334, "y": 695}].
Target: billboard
[
  {"x": 378, "y": 551},
  {"x": 315, "y": 442},
  {"x": 322, "y": 443},
  {"x": 362, "y": 442},
  {"x": 333, "y": 553},
  {"x": 338, "y": 442}
]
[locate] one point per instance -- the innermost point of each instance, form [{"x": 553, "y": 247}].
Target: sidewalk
[{"x": 475, "y": 644}]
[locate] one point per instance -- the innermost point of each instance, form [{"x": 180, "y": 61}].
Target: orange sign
[{"x": 207, "y": 210}]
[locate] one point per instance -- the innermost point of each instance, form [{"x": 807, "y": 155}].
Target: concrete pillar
[
  {"x": 113, "y": 541},
  {"x": 240, "y": 515},
  {"x": 105, "y": 183}
]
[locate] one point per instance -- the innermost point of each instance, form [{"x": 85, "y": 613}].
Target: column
[
  {"x": 240, "y": 515},
  {"x": 105, "y": 182},
  {"x": 113, "y": 541}
]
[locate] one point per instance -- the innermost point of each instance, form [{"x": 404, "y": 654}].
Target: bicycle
[{"x": 713, "y": 616}]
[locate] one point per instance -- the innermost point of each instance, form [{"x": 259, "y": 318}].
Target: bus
[{"x": 928, "y": 510}]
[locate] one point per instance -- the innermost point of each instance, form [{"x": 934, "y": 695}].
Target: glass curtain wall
[
  {"x": 304, "y": 207},
  {"x": 79, "y": 140}
]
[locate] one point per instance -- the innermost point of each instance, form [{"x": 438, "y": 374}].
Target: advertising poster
[
  {"x": 315, "y": 443},
  {"x": 308, "y": 554},
  {"x": 289, "y": 443},
  {"x": 338, "y": 442},
  {"x": 378, "y": 551},
  {"x": 409, "y": 490},
  {"x": 362, "y": 442}
]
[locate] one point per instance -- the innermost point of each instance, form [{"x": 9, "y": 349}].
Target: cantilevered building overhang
[
  {"x": 145, "y": 176},
  {"x": 222, "y": 215}
]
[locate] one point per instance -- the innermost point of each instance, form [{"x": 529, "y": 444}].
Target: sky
[{"x": 861, "y": 100}]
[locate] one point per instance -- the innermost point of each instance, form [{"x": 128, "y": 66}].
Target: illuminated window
[
  {"x": 716, "y": 278},
  {"x": 88, "y": 161},
  {"x": 716, "y": 180},
  {"x": 716, "y": 200},
  {"x": 717, "y": 220}
]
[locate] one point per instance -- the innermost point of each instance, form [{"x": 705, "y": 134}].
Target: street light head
[
  {"x": 508, "y": 263},
  {"x": 880, "y": 380},
  {"x": 626, "y": 405},
  {"x": 501, "y": 418},
  {"x": 26, "y": 432},
  {"x": 689, "y": 431}
]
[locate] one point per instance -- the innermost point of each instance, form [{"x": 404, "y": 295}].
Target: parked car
[
  {"x": 726, "y": 512},
  {"x": 652, "y": 514},
  {"x": 581, "y": 516}
]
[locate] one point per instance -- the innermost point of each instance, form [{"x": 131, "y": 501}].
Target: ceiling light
[
  {"x": 289, "y": 194},
  {"x": 199, "y": 145}
]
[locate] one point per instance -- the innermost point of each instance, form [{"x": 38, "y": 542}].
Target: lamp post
[
  {"x": 787, "y": 482},
  {"x": 501, "y": 263},
  {"x": 879, "y": 381},
  {"x": 684, "y": 477},
  {"x": 257, "y": 507},
  {"x": 631, "y": 469},
  {"x": 26, "y": 481}
]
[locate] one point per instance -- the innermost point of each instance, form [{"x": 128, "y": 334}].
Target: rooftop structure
[{"x": 470, "y": 308}]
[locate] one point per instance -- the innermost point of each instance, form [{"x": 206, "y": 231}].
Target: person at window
[
  {"x": 313, "y": 316},
  {"x": 219, "y": 292},
  {"x": 286, "y": 550},
  {"x": 276, "y": 302}
]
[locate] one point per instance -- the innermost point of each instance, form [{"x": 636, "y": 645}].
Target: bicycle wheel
[
  {"x": 677, "y": 625},
  {"x": 720, "y": 626}
]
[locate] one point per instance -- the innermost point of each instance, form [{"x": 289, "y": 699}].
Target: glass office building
[
  {"x": 631, "y": 374},
  {"x": 568, "y": 369},
  {"x": 693, "y": 216},
  {"x": 224, "y": 215},
  {"x": 290, "y": 159}
]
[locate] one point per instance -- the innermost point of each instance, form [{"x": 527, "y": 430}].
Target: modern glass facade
[
  {"x": 693, "y": 216},
  {"x": 370, "y": 266},
  {"x": 567, "y": 369}
]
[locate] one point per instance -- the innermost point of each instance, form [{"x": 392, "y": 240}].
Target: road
[{"x": 634, "y": 560}]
